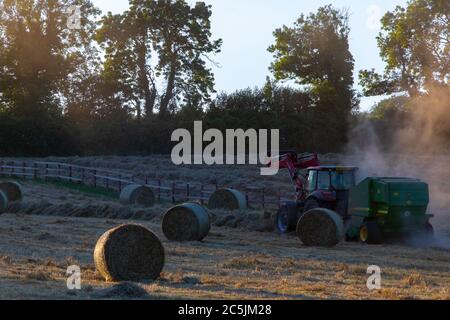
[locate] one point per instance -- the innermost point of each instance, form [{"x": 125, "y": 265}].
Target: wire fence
[{"x": 165, "y": 190}]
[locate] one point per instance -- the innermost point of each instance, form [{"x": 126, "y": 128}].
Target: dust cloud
[{"x": 419, "y": 148}]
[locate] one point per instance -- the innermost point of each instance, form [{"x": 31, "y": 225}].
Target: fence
[{"x": 173, "y": 191}]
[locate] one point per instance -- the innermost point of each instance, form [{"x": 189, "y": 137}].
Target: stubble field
[{"x": 56, "y": 227}]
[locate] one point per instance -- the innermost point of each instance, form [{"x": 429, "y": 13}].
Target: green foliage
[
  {"x": 315, "y": 53},
  {"x": 177, "y": 36},
  {"x": 393, "y": 108},
  {"x": 59, "y": 97},
  {"x": 414, "y": 43}
]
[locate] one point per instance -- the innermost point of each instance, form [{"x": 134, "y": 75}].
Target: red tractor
[{"x": 321, "y": 187}]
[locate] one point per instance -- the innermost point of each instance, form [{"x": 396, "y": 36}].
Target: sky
[{"x": 246, "y": 28}]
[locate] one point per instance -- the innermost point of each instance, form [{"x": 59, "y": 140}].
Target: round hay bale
[
  {"x": 3, "y": 202},
  {"x": 321, "y": 228},
  {"x": 138, "y": 195},
  {"x": 129, "y": 253},
  {"x": 186, "y": 222},
  {"x": 12, "y": 190},
  {"x": 229, "y": 199}
]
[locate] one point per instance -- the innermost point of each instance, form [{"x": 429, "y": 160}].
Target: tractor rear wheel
[{"x": 370, "y": 233}]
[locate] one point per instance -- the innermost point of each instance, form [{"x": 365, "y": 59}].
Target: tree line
[{"x": 121, "y": 83}]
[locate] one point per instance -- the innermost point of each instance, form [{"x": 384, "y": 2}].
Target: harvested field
[
  {"x": 229, "y": 264},
  {"x": 241, "y": 258}
]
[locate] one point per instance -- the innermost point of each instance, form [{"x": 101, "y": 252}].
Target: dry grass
[{"x": 229, "y": 264}]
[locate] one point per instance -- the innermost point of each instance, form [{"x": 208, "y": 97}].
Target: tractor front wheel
[
  {"x": 285, "y": 221},
  {"x": 370, "y": 233}
]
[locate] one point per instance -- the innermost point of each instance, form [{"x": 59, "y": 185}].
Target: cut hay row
[
  {"x": 129, "y": 253},
  {"x": 229, "y": 199},
  {"x": 320, "y": 227},
  {"x": 186, "y": 222},
  {"x": 137, "y": 195},
  {"x": 109, "y": 211},
  {"x": 167, "y": 190}
]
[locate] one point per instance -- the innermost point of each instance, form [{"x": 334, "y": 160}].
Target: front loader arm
[{"x": 294, "y": 163}]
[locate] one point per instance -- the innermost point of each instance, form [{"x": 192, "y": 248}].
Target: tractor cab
[
  {"x": 330, "y": 178},
  {"x": 328, "y": 187}
]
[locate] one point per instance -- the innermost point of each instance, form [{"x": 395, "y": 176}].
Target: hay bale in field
[
  {"x": 12, "y": 190},
  {"x": 320, "y": 227},
  {"x": 138, "y": 195},
  {"x": 229, "y": 199},
  {"x": 186, "y": 222},
  {"x": 129, "y": 253},
  {"x": 3, "y": 202}
]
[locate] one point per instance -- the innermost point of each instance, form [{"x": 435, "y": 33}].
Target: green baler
[{"x": 380, "y": 207}]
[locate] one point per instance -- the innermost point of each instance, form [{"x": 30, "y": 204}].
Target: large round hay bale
[
  {"x": 12, "y": 190},
  {"x": 229, "y": 199},
  {"x": 320, "y": 227},
  {"x": 129, "y": 253},
  {"x": 3, "y": 202},
  {"x": 137, "y": 195},
  {"x": 186, "y": 222}
]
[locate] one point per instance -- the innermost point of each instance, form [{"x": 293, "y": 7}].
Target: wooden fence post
[
  {"x": 159, "y": 189},
  {"x": 247, "y": 200},
  {"x": 279, "y": 198},
  {"x": 173, "y": 192},
  {"x": 201, "y": 194},
  {"x": 263, "y": 198}
]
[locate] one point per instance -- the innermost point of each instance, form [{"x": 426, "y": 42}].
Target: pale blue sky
[{"x": 246, "y": 27}]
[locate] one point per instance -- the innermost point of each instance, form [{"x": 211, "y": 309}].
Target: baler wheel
[
  {"x": 428, "y": 231},
  {"x": 370, "y": 233}
]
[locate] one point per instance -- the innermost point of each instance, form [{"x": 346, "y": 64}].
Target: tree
[
  {"x": 127, "y": 39},
  {"x": 415, "y": 44},
  {"x": 315, "y": 53},
  {"x": 42, "y": 60},
  {"x": 39, "y": 52},
  {"x": 155, "y": 42}
]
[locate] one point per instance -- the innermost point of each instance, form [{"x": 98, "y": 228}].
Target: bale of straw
[
  {"x": 229, "y": 199},
  {"x": 138, "y": 195},
  {"x": 186, "y": 222},
  {"x": 3, "y": 202},
  {"x": 320, "y": 227},
  {"x": 129, "y": 253},
  {"x": 12, "y": 190}
]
